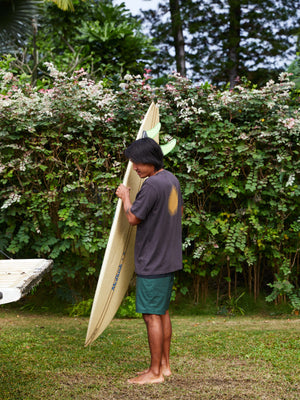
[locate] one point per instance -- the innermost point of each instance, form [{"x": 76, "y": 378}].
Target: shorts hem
[
  {"x": 150, "y": 312},
  {"x": 153, "y": 295}
]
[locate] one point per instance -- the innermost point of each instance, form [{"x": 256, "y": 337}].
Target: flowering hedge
[{"x": 237, "y": 159}]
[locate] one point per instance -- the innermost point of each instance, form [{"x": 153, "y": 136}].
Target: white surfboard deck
[
  {"x": 18, "y": 277},
  {"x": 118, "y": 263}
]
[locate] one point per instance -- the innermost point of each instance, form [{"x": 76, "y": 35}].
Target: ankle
[{"x": 156, "y": 371}]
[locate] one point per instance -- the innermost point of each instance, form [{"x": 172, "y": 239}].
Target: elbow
[{"x": 133, "y": 221}]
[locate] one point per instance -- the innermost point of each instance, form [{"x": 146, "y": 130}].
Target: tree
[
  {"x": 225, "y": 39},
  {"x": 18, "y": 21},
  {"x": 101, "y": 38},
  {"x": 234, "y": 38},
  {"x": 95, "y": 35},
  {"x": 177, "y": 34}
]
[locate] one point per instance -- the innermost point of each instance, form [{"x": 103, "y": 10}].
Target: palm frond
[
  {"x": 16, "y": 22},
  {"x": 64, "y": 4}
]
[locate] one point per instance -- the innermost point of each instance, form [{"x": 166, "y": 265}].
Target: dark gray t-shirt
[{"x": 158, "y": 246}]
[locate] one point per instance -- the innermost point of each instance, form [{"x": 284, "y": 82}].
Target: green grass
[{"x": 213, "y": 357}]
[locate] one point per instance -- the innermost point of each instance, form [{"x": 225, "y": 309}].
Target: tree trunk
[
  {"x": 177, "y": 33},
  {"x": 35, "y": 53},
  {"x": 219, "y": 284},
  {"x": 229, "y": 277},
  {"x": 257, "y": 268},
  {"x": 234, "y": 37},
  {"x": 196, "y": 288}
]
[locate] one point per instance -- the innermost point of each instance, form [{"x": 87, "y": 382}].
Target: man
[{"x": 157, "y": 212}]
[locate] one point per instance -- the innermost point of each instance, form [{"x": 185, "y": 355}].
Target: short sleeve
[{"x": 145, "y": 200}]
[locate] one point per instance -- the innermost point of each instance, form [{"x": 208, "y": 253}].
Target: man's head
[{"x": 145, "y": 151}]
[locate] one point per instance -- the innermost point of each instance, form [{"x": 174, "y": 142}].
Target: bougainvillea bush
[{"x": 237, "y": 158}]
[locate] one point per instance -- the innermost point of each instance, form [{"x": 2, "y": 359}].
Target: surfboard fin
[
  {"x": 153, "y": 132},
  {"x": 166, "y": 148}
]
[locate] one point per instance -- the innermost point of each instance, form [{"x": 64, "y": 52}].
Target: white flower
[
  {"x": 198, "y": 252},
  {"x": 290, "y": 180},
  {"x": 270, "y": 83},
  {"x": 270, "y": 104},
  {"x": 123, "y": 85},
  {"x": 279, "y": 158},
  {"x": 89, "y": 117},
  {"x": 8, "y": 76},
  {"x": 216, "y": 115},
  {"x": 128, "y": 77},
  {"x": 13, "y": 198},
  {"x": 116, "y": 164}
]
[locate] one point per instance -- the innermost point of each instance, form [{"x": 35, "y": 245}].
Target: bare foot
[
  {"x": 166, "y": 371},
  {"x": 146, "y": 378},
  {"x": 143, "y": 372}
]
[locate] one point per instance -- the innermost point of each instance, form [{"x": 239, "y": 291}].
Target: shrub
[{"x": 237, "y": 159}]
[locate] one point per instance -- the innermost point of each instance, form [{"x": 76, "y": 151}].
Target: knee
[
  {"x": 147, "y": 318},
  {"x": 150, "y": 318}
]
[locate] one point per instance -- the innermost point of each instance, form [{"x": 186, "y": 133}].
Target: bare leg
[
  {"x": 156, "y": 344},
  {"x": 167, "y": 331},
  {"x": 167, "y": 334}
]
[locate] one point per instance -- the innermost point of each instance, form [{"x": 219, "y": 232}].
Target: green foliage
[
  {"x": 98, "y": 36},
  {"x": 59, "y": 176},
  {"x": 81, "y": 309},
  {"x": 282, "y": 288},
  {"x": 231, "y": 306},
  {"x": 294, "y": 69},
  {"x": 237, "y": 159},
  {"x": 127, "y": 308}
]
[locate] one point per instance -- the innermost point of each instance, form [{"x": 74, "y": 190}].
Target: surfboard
[{"x": 118, "y": 262}]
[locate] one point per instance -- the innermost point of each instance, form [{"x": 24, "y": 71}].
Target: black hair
[{"x": 145, "y": 151}]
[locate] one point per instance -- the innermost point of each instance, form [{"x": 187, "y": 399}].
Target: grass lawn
[{"x": 43, "y": 357}]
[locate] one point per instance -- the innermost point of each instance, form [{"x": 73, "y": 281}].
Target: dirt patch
[{"x": 198, "y": 380}]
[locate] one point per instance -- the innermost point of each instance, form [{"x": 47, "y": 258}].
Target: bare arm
[{"x": 123, "y": 194}]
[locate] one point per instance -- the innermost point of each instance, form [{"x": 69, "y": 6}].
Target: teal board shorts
[{"x": 153, "y": 294}]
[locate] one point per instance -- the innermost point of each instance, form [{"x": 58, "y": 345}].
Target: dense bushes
[
  {"x": 239, "y": 162},
  {"x": 237, "y": 159}
]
